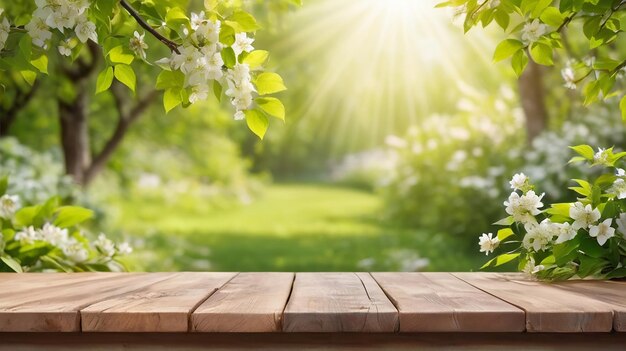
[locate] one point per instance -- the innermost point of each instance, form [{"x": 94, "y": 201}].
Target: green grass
[{"x": 294, "y": 227}]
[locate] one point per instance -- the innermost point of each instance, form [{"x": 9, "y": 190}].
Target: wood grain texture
[
  {"x": 338, "y": 302},
  {"x": 51, "y": 302},
  {"x": 610, "y": 292},
  {"x": 548, "y": 308},
  {"x": 249, "y": 303},
  {"x": 440, "y": 302},
  {"x": 164, "y": 306}
]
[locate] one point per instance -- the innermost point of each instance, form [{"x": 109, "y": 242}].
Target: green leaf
[
  {"x": 29, "y": 76},
  {"x": 590, "y": 266},
  {"x": 257, "y": 122},
  {"x": 242, "y": 22},
  {"x": 126, "y": 75},
  {"x": 41, "y": 63},
  {"x": 542, "y": 54},
  {"x": 502, "y": 18},
  {"x": 505, "y": 221},
  {"x": 228, "y": 55},
  {"x": 172, "y": 98},
  {"x": 217, "y": 90},
  {"x": 585, "y": 151},
  {"x": 504, "y": 233},
  {"x": 227, "y": 35},
  {"x": 560, "y": 209},
  {"x": 68, "y": 216},
  {"x": 4, "y": 185},
  {"x": 170, "y": 79},
  {"x": 617, "y": 273},
  {"x": 12, "y": 263},
  {"x": 272, "y": 106},
  {"x": 500, "y": 260},
  {"x": 25, "y": 216},
  {"x": 176, "y": 17},
  {"x": 256, "y": 58},
  {"x": 552, "y": 17},
  {"x": 105, "y": 78},
  {"x": 519, "y": 62},
  {"x": 506, "y": 49},
  {"x": 269, "y": 83},
  {"x": 117, "y": 55}
]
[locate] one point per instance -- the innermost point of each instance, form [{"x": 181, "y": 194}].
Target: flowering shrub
[
  {"x": 46, "y": 237},
  {"x": 211, "y": 51},
  {"x": 583, "y": 238},
  {"x": 35, "y": 176}
]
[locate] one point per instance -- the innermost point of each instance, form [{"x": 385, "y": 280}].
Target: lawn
[{"x": 289, "y": 227}]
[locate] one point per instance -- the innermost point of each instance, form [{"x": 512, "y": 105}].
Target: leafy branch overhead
[
  {"x": 211, "y": 52},
  {"x": 539, "y": 30}
]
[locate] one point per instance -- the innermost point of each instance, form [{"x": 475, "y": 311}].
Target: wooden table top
[{"x": 306, "y": 302}]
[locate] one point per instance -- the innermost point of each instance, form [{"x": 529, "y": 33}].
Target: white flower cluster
[
  {"x": 9, "y": 204},
  {"x": 61, "y": 15},
  {"x": 5, "y": 28},
  {"x": 488, "y": 243},
  {"x": 200, "y": 60},
  {"x": 524, "y": 208},
  {"x": 533, "y": 30},
  {"x": 72, "y": 248}
]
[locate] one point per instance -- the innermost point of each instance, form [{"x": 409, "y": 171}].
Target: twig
[{"x": 170, "y": 44}]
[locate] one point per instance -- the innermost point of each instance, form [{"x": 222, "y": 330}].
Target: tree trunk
[
  {"x": 75, "y": 134},
  {"x": 532, "y": 98}
]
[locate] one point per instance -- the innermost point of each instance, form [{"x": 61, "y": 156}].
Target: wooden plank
[
  {"x": 338, "y": 302},
  {"x": 610, "y": 292},
  {"x": 440, "y": 302},
  {"x": 251, "y": 302},
  {"x": 52, "y": 302},
  {"x": 548, "y": 309},
  {"x": 164, "y": 306}
]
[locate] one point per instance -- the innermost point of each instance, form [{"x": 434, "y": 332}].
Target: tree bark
[
  {"x": 531, "y": 92},
  {"x": 74, "y": 125}
]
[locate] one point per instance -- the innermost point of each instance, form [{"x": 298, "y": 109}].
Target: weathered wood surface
[
  {"x": 306, "y": 302},
  {"x": 338, "y": 302},
  {"x": 251, "y": 302},
  {"x": 548, "y": 308},
  {"x": 31, "y": 305},
  {"x": 440, "y": 302},
  {"x": 164, "y": 306}
]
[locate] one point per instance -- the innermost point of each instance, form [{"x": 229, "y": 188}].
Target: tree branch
[
  {"x": 125, "y": 119},
  {"x": 7, "y": 117},
  {"x": 170, "y": 44}
]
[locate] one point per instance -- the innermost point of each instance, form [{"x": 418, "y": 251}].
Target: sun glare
[{"x": 378, "y": 66}]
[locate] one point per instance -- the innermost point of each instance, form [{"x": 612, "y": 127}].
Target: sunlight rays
[{"x": 375, "y": 67}]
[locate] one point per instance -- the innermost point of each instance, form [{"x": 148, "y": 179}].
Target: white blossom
[
  {"x": 9, "y": 204},
  {"x": 197, "y": 19},
  {"x": 619, "y": 188},
  {"x": 601, "y": 157},
  {"x": 531, "y": 269},
  {"x": 603, "y": 231},
  {"x": 54, "y": 235},
  {"x": 86, "y": 30},
  {"x": 519, "y": 182},
  {"x": 532, "y": 31},
  {"x": 65, "y": 48},
  {"x": 75, "y": 251},
  {"x": 488, "y": 243},
  {"x": 27, "y": 235},
  {"x": 539, "y": 237},
  {"x": 38, "y": 31},
  {"x": 242, "y": 44},
  {"x": 565, "y": 232},
  {"x": 199, "y": 92},
  {"x": 105, "y": 246},
  {"x": 240, "y": 115},
  {"x": 583, "y": 216},
  {"x": 568, "y": 77},
  {"x": 524, "y": 208},
  {"x": 124, "y": 249},
  {"x": 187, "y": 60},
  {"x": 620, "y": 172},
  {"x": 138, "y": 45}
]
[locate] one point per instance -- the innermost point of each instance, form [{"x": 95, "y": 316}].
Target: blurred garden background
[{"x": 401, "y": 135}]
